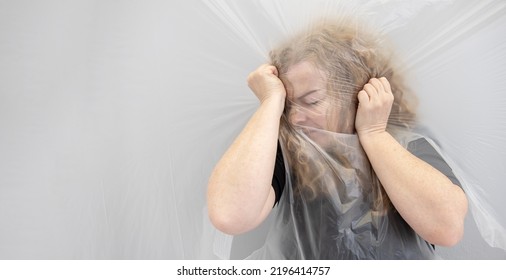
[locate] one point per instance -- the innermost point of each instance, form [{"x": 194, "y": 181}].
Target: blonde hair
[{"x": 349, "y": 56}]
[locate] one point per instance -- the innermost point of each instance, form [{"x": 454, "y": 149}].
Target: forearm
[
  {"x": 427, "y": 200},
  {"x": 241, "y": 181}
]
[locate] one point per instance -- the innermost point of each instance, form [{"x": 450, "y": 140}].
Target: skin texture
[{"x": 240, "y": 195}]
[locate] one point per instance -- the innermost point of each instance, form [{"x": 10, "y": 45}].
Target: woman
[{"x": 359, "y": 183}]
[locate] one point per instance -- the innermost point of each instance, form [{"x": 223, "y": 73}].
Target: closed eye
[
  {"x": 312, "y": 98},
  {"x": 313, "y": 101}
]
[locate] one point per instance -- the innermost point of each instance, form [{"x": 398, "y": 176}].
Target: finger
[
  {"x": 377, "y": 85},
  {"x": 274, "y": 70},
  {"x": 363, "y": 97},
  {"x": 370, "y": 90},
  {"x": 386, "y": 84},
  {"x": 270, "y": 69}
]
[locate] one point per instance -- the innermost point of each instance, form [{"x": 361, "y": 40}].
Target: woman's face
[{"x": 309, "y": 104}]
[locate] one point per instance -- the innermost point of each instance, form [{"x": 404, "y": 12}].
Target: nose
[{"x": 297, "y": 116}]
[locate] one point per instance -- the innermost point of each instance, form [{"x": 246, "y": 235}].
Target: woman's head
[{"x": 323, "y": 70}]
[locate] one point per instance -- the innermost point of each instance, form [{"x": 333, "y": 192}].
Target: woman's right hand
[{"x": 265, "y": 83}]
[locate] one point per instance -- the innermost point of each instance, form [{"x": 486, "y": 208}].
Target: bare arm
[
  {"x": 427, "y": 200},
  {"x": 240, "y": 195}
]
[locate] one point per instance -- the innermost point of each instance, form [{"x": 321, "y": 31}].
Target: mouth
[{"x": 310, "y": 129}]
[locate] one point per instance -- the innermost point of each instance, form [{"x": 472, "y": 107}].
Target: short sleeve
[
  {"x": 279, "y": 176},
  {"x": 422, "y": 149}
]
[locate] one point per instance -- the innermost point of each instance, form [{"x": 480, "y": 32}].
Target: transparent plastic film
[
  {"x": 114, "y": 114},
  {"x": 333, "y": 205}
]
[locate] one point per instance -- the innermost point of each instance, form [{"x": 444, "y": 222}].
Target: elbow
[
  {"x": 216, "y": 209},
  {"x": 221, "y": 219},
  {"x": 451, "y": 229},
  {"x": 223, "y": 216},
  {"x": 227, "y": 228},
  {"x": 225, "y": 223},
  {"x": 446, "y": 235},
  {"x": 450, "y": 237},
  {"x": 229, "y": 211}
]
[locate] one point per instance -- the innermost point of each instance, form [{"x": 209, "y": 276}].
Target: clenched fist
[
  {"x": 265, "y": 83},
  {"x": 375, "y": 103}
]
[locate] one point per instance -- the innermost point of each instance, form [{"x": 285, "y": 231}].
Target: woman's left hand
[{"x": 375, "y": 103}]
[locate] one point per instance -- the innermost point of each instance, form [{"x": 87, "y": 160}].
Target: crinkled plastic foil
[{"x": 113, "y": 114}]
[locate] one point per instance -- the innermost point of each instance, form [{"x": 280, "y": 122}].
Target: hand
[
  {"x": 264, "y": 82},
  {"x": 375, "y": 103}
]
